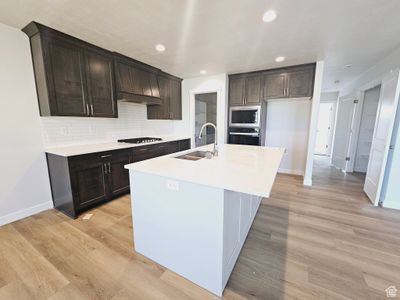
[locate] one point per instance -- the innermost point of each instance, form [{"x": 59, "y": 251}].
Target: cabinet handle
[
  {"x": 87, "y": 110},
  {"x": 105, "y": 168},
  {"x": 105, "y": 156},
  {"x": 287, "y": 92},
  {"x": 91, "y": 108},
  {"x": 109, "y": 168}
]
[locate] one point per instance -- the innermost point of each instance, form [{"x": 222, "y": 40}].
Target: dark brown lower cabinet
[{"x": 84, "y": 181}]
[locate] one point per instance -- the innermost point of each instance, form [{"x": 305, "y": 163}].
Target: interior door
[
  {"x": 345, "y": 116},
  {"x": 324, "y": 129},
  {"x": 382, "y": 135},
  {"x": 367, "y": 125}
]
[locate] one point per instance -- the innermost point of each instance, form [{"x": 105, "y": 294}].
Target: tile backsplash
[{"x": 132, "y": 122}]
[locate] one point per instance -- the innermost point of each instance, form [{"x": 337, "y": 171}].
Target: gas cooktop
[{"x": 140, "y": 140}]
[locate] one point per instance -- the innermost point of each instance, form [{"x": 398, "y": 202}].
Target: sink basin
[{"x": 196, "y": 155}]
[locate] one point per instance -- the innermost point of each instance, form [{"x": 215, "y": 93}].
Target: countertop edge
[{"x": 68, "y": 151}]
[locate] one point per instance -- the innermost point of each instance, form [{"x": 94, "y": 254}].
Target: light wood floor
[{"x": 323, "y": 242}]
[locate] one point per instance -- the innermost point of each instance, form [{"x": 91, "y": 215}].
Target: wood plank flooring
[{"x": 320, "y": 242}]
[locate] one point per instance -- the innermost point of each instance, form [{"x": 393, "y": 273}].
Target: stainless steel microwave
[{"x": 245, "y": 116}]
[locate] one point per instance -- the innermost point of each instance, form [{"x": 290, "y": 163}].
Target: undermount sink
[{"x": 196, "y": 155}]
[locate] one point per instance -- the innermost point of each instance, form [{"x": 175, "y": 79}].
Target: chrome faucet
[{"x": 215, "y": 152}]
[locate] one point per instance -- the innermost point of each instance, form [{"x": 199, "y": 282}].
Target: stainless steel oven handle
[{"x": 245, "y": 133}]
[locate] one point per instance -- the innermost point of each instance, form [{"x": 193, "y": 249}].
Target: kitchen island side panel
[{"x": 179, "y": 225}]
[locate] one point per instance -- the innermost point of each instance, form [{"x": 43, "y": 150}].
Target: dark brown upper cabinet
[
  {"x": 291, "y": 82},
  {"x": 236, "y": 90},
  {"x": 171, "y": 99},
  {"x": 245, "y": 89},
  {"x": 275, "y": 85},
  {"x": 300, "y": 83},
  {"x": 73, "y": 78},
  {"x": 136, "y": 81}
]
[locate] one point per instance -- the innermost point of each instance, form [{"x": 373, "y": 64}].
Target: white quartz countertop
[
  {"x": 239, "y": 168},
  {"x": 93, "y": 148}
]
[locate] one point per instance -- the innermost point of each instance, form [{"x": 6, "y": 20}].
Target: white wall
[
  {"x": 131, "y": 122},
  {"x": 288, "y": 126},
  {"x": 204, "y": 84},
  {"x": 24, "y": 184},
  {"x": 312, "y": 134},
  {"x": 373, "y": 74}
]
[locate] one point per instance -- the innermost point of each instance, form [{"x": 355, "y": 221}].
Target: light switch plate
[{"x": 173, "y": 185}]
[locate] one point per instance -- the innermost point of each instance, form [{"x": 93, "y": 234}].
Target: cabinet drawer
[{"x": 184, "y": 145}]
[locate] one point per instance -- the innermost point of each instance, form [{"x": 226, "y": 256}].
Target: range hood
[{"x": 141, "y": 99}]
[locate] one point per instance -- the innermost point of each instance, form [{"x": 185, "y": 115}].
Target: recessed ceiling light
[
  {"x": 280, "y": 59},
  {"x": 348, "y": 66},
  {"x": 160, "y": 47},
  {"x": 203, "y": 72},
  {"x": 269, "y": 16}
]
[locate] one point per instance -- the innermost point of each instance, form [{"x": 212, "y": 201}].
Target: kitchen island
[{"x": 193, "y": 216}]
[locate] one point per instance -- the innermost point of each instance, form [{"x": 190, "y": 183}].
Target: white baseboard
[
  {"x": 290, "y": 171},
  {"x": 391, "y": 205},
  {"x": 18, "y": 215}
]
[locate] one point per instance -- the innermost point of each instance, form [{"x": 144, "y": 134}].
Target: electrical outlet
[{"x": 173, "y": 185}]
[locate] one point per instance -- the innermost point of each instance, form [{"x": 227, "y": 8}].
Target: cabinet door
[
  {"x": 301, "y": 83},
  {"x": 236, "y": 90},
  {"x": 175, "y": 106},
  {"x": 118, "y": 176},
  {"x": 274, "y": 85},
  {"x": 66, "y": 83},
  {"x": 253, "y": 90},
  {"x": 89, "y": 183},
  {"x": 100, "y": 84}
]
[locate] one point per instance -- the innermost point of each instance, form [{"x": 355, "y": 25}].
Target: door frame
[
  {"x": 357, "y": 122},
  {"x": 349, "y": 131},
  {"x": 192, "y": 106},
  {"x": 332, "y": 125}
]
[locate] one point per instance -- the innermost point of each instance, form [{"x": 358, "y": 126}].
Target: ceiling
[{"x": 226, "y": 35}]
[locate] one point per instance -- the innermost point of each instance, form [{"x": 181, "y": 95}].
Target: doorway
[
  {"x": 205, "y": 111},
  {"x": 367, "y": 125},
  {"x": 325, "y": 125},
  {"x": 364, "y": 132}
]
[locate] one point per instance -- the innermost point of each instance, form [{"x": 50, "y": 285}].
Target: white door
[
  {"x": 341, "y": 142},
  {"x": 324, "y": 129},
  {"x": 367, "y": 125},
  {"x": 382, "y": 135}
]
